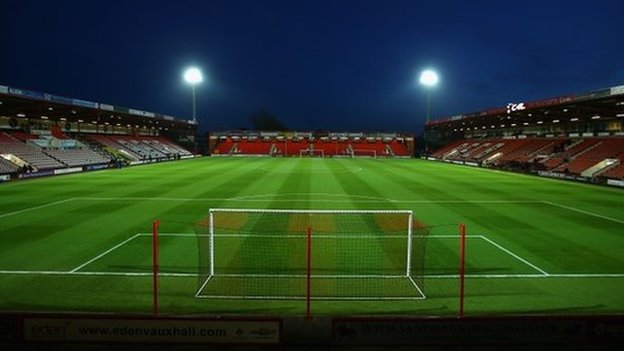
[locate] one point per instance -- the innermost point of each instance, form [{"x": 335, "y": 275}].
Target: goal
[
  {"x": 364, "y": 153},
  {"x": 311, "y": 254},
  {"x": 312, "y": 153}
]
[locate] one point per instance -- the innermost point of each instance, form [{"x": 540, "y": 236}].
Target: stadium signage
[
  {"x": 615, "y": 182},
  {"x": 84, "y": 103},
  {"x": 35, "y": 174},
  {"x": 104, "y": 329},
  {"x": 511, "y": 107},
  {"x": 141, "y": 113},
  {"x": 107, "y": 107},
  {"x": 614, "y": 91},
  {"x": 67, "y": 170},
  {"x": 4, "y": 89}
]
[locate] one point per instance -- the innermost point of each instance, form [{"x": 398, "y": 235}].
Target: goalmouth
[
  {"x": 312, "y": 153},
  {"x": 311, "y": 254},
  {"x": 363, "y": 153}
]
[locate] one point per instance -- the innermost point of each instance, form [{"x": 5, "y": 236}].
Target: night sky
[{"x": 330, "y": 65}]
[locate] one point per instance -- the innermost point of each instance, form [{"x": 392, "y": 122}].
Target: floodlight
[
  {"x": 428, "y": 78},
  {"x": 193, "y": 76}
]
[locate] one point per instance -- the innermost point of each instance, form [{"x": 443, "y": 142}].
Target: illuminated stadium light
[
  {"x": 50, "y": 109},
  {"x": 620, "y": 115},
  {"x": 80, "y": 121},
  {"x": 21, "y": 115},
  {"x": 428, "y": 78},
  {"x": 565, "y": 110},
  {"x": 555, "y": 121},
  {"x": 513, "y": 124},
  {"x": 63, "y": 119},
  {"x": 525, "y": 123},
  {"x": 193, "y": 76},
  {"x": 44, "y": 117},
  {"x": 574, "y": 119},
  {"x": 595, "y": 117},
  {"x": 540, "y": 122}
]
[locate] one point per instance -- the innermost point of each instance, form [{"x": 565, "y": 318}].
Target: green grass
[{"x": 79, "y": 242}]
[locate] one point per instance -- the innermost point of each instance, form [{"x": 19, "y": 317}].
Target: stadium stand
[
  {"x": 582, "y": 156},
  {"x": 398, "y": 149},
  {"x": 29, "y": 153},
  {"x": 253, "y": 147},
  {"x": 106, "y": 141},
  {"x": 141, "y": 147},
  {"x": 77, "y": 157},
  {"x": 7, "y": 167},
  {"x": 46, "y": 151},
  {"x": 224, "y": 146},
  {"x": 596, "y": 151},
  {"x": 296, "y": 146},
  {"x": 614, "y": 172}
]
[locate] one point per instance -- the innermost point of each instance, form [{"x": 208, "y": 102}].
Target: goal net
[
  {"x": 363, "y": 153},
  {"x": 311, "y": 254},
  {"x": 312, "y": 153}
]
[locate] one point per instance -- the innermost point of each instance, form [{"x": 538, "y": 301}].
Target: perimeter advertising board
[{"x": 156, "y": 330}]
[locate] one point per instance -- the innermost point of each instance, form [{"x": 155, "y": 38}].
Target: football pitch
[{"x": 82, "y": 242}]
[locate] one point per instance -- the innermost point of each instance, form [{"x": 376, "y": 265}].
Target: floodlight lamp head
[
  {"x": 193, "y": 76},
  {"x": 428, "y": 78}
]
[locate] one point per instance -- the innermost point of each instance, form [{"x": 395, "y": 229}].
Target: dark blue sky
[{"x": 333, "y": 65}]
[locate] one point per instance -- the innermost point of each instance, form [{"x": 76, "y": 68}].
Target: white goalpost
[{"x": 311, "y": 254}]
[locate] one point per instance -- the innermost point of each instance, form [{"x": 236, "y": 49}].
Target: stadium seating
[
  {"x": 398, "y": 148},
  {"x": 616, "y": 172},
  {"x": 77, "y": 157},
  {"x": 141, "y": 147},
  {"x": 7, "y": 167},
  {"x": 224, "y": 146},
  {"x": 597, "y": 150},
  {"x": 29, "y": 153},
  {"x": 325, "y": 146},
  {"x": 572, "y": 156},
  {"x": 253, "y": 147}
]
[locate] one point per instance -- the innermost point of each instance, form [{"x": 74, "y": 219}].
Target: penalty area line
[
  {"x": 515, "y": 256},
  {"x": 584, "y": 212},
  {"x": 36, "y": 207},
  {"x": 104, "y": 253}
]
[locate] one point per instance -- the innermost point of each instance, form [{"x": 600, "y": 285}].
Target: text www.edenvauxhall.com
[{"x": 157, "y": 332}]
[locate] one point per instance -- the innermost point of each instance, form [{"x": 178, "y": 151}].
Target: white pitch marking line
[
  {"x": 320, "y": 236},
  {"x": 371, "y": 200},
  {"x": 271, "y": 196},
  {"x": 516, "y": 256},
  {"x": 432, "y": 276},
  {"x": 104, "y": 253},
  {"x": 584, "y": 212},
  {"x": 36, "y": 207}
]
